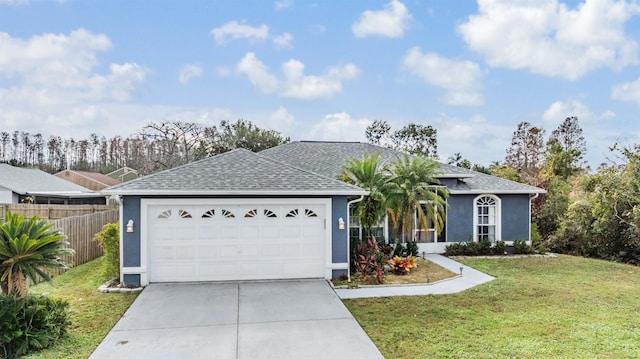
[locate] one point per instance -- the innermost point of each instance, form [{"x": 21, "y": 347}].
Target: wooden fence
[
  {"x": 80, "y": 231},
  {"x": 52, "y": 211}
]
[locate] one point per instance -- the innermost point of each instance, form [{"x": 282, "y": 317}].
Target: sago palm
[
  {"x": 415, "y": 193},
  {"x": 368, "y": 174},
  {"x": 28, "y": 249}
]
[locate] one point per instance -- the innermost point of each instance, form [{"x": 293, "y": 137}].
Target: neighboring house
[
  {"x": 29, "y": 185},
  {"x": 91, "y": 180},
  {"x": 282, "y": 213},
  {"x": 123, "y": 174}
]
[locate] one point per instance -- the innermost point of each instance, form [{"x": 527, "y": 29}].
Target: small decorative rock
[{"x": 109, "y": 287}]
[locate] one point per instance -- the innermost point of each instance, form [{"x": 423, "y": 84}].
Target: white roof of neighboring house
[{"x": 33, "y": 181}]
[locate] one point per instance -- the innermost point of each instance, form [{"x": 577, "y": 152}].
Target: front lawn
[
  {"x": 93, "y": 313},
  {"x": 568, "y": 307}
]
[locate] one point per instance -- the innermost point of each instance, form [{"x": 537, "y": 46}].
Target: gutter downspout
[{"x": 349, "y": 203}]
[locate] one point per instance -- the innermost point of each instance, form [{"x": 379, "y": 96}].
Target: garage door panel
[
  {"x": 229, "y": 251},
  {"x": 235, "y": 242},
  {"x": 208, "y": 251}
]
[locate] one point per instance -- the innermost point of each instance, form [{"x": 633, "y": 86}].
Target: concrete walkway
[
  {"x": 267, "y": 319},
  {"x": 469, "y": 279}
]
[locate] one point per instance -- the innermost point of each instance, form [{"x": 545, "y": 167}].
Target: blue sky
[{"x": 325, "y": 70}]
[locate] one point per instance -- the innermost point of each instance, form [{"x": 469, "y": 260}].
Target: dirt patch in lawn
[{"x": 426, "y": 272}]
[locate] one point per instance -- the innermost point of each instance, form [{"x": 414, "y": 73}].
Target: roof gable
[{"x": 236, "y": 172}]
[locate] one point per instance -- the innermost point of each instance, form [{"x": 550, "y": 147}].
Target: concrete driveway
[{"x": 276, "y": 319}]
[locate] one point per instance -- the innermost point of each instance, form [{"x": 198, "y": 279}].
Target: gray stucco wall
[
  {"x": 460, "y": 218},
  {"x": 339, "y": 236},
  {"x": 514, "y": 216},
  {"x": 131, "y": 241}
]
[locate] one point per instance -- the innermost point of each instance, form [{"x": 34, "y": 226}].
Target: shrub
[
  {"x": 31, "y": 323},
  {"x": 483, "y": 247},
  {"x": 109, "y": 239},
  {"x": 521, "y": 247},
  {"x": 403, "y": 265},
  {"x": 412, "y": 249},
  {"x": 455, "y": 249},
  {"x": 369, "y": 262},
  {"x": 499, "y": 248},
  {"x": 398, "y": 250}
]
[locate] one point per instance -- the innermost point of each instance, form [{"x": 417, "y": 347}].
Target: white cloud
[
  {"x": 257, "y": 73},
  {"x": 188, "y": 72},
  {"x": 280, "y": 120},
  {"x": 461, "y": 79},
  {"x": 560, "y": 110},
  {"x": 234, "y": 30},
  {"x": 283, "y": 41},
  {"x": 283, "y": 4},
  {"x": 475, "y": 138},
  {"x": 51, "y": 69},
  {"x": 339, "y": 127},
  {"x": 628, "y": 91},
  {"x": 51, "y": 81},
  {"x": 392, "y": 21},
  {"x": 295, "y": 83},
  {"x": 546, "y": 37}
]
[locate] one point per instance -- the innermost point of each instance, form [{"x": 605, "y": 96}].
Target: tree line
[{"x": 157, "y": 146}]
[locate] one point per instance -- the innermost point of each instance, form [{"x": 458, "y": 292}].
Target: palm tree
[
  {"x": 415, "y": 193},
  {"x": 368, "y": 174},
  {"x": 28, "y": 248}
]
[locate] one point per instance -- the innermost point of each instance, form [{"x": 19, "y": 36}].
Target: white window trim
[{"x": 498, "y": 216}]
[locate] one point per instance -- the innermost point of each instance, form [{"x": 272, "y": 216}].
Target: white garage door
[{"x": 235, "y": 240}]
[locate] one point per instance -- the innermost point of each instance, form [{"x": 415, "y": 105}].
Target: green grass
[
  {"x": 568, "y": 307},
  {"x": 93, "y": 313}
]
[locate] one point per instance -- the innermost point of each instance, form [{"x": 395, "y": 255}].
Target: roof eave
[
  {"x": 234, "y": 193},
  {"x": 483, "y": 191}
]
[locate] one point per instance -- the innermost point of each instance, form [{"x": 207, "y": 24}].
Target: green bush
[
  {"x": 480, "y": 248},
  {"x": 398, "y": 250},
  {"x": 455, "y": 249},
  {"x": 499, "y": 248},
  {"x": 521, "y": 247},
  {"x": 31, "y": 323},
  {"x": 412, "y": 249},
  {"x": 109, "y": 239}
]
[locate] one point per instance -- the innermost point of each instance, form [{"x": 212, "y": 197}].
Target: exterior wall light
[
  {"x": 340, "y": 223},
  {"x": 130, "y": 226}
]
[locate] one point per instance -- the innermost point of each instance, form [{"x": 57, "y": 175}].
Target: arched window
[{"x": 486, "y": 218}]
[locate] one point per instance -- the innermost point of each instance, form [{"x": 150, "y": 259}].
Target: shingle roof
[
  {"x": 328, "y": 158},
  {"x": 236, "y": 172},
  {"x": 33, "y": 181}
]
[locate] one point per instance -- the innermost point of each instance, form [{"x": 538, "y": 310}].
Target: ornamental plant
[
  {"x": 109, "y": 239},
  {"x": 29, "y": 249},
  {"x": 403, "y": 265}
]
